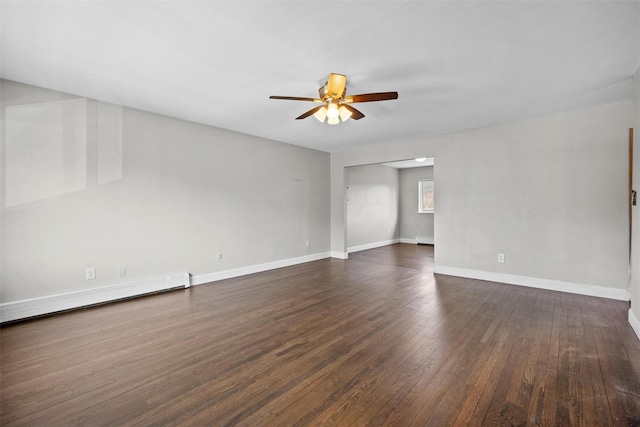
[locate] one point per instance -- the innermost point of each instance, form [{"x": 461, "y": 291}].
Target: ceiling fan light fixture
[
  {"x": 332, "y": 111},
  {"x": 321, "y": 114},
  {"x": 333, "y": 120},
  {"x": 344, "y": 113}
]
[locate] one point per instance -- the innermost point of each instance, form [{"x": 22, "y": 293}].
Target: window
[{"x": 425, "y": 196}]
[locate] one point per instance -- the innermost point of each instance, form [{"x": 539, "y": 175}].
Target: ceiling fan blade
[
  {"x": 355, "y": 114},
  {"x": 295, "y": 98},
  {"x": 336, "y": 85},
  {"x": 370, "y": 97},
  {"x": 309, "y": 113}
]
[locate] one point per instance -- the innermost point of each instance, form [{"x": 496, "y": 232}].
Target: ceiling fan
[{"x": 336, "y": 106}]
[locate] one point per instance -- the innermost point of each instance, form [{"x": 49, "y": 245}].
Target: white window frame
[{"x": 426, "y": 186}]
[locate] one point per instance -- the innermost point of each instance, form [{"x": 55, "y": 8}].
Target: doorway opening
[{"x": 384, "y": 204}]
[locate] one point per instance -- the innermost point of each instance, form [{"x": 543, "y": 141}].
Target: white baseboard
[
  {"x": 534, "y": 282},
  {"x": 339, "y": 255},
  {"x": 22, "y": 309},
  {"x": 635, "y": 323},
  {"x": 417, "y": 241},
  {"x": 258, "y": 268},
  {"x": 372, "y": 245}
]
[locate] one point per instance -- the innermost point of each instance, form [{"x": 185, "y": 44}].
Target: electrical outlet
[
  {"x": 500, "y": 257},
  {"x": 307, "y": 243},
  {"x": 122, "y": 271},
  {"x": 90, "y": 273}
]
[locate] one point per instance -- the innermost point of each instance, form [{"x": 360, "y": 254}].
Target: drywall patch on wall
[{"x": 45, "y": 150}]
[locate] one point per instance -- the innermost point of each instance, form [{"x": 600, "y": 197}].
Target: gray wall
[
  {"x": 155, "y": 194},
  {"x": 372, "y": 205},
  {"x": 413, "y": 224},
  {"x": 550, "y": 193}
]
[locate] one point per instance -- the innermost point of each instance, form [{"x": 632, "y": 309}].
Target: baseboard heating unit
[{"x": 23, "y": 309}]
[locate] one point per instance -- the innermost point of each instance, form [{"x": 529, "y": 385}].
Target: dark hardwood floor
[{"x": 374, "y": 340}]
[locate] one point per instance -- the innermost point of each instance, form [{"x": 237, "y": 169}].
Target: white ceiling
[{"x": 456, "y": 65}]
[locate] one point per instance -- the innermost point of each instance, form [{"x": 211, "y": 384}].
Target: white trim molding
[
  {"x": 635, "y": 323},
  {"x": 372, "y": 245},
  {"x": 340, "y": 255},
  {"x": 534, "y": 282},
  {"x": 23, "y": 309},
  {"x": 418, "y": 241},
  {"x": 425, "y": 240},
  {"x": 199, "y": 279}
]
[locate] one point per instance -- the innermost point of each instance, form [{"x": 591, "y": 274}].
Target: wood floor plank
[
  {"x": 474, "y": 334},
  {"x": 549, "y": 404},
  {"x": 374, "y": 340},
  {"x": 597, "y": 394},
  {"x": 479, "y": 399}
]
